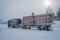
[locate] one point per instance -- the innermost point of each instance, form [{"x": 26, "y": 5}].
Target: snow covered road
[{"x": 22, "y": 34}]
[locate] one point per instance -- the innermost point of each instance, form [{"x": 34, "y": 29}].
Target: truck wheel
[
  {"x": 13, "y": 26},
  {"x": 47, "y": 28},
  {"x": 39, "y": 28},
  {"x": 29, "y": 27},
  {"x": 43, "y": 28}
]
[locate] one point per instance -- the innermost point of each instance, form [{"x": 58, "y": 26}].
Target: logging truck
[
  {"x": 42, "y": 22},
  {"x": 14, "y": 23}
]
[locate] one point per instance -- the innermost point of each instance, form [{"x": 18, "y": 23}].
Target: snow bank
[
  {"x": 28, "y": 34},
  {"x": 56, "y": 25}
]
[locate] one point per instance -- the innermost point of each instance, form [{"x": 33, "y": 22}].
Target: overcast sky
[{"x": 18, "y": 8}]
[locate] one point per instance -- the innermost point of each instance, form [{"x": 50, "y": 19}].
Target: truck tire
[
  {"x": 13, "y": 26},
  {"x": 29, "y": 27},
  {"x": 43, "y": 28},
  {"x": 24, "y": 27},
  {"x": 47, "y": 28}
]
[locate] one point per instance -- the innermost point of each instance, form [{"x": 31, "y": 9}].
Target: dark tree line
[{"x": 58, "y": 13}]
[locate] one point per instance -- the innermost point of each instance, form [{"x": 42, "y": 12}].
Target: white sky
[{"x": 19, "y": 8}]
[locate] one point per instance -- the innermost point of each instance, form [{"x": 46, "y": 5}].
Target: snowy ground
[{"x": 26, "y": 34}]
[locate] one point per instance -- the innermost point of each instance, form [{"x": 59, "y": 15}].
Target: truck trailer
[{"x": 42, "y": 22}]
